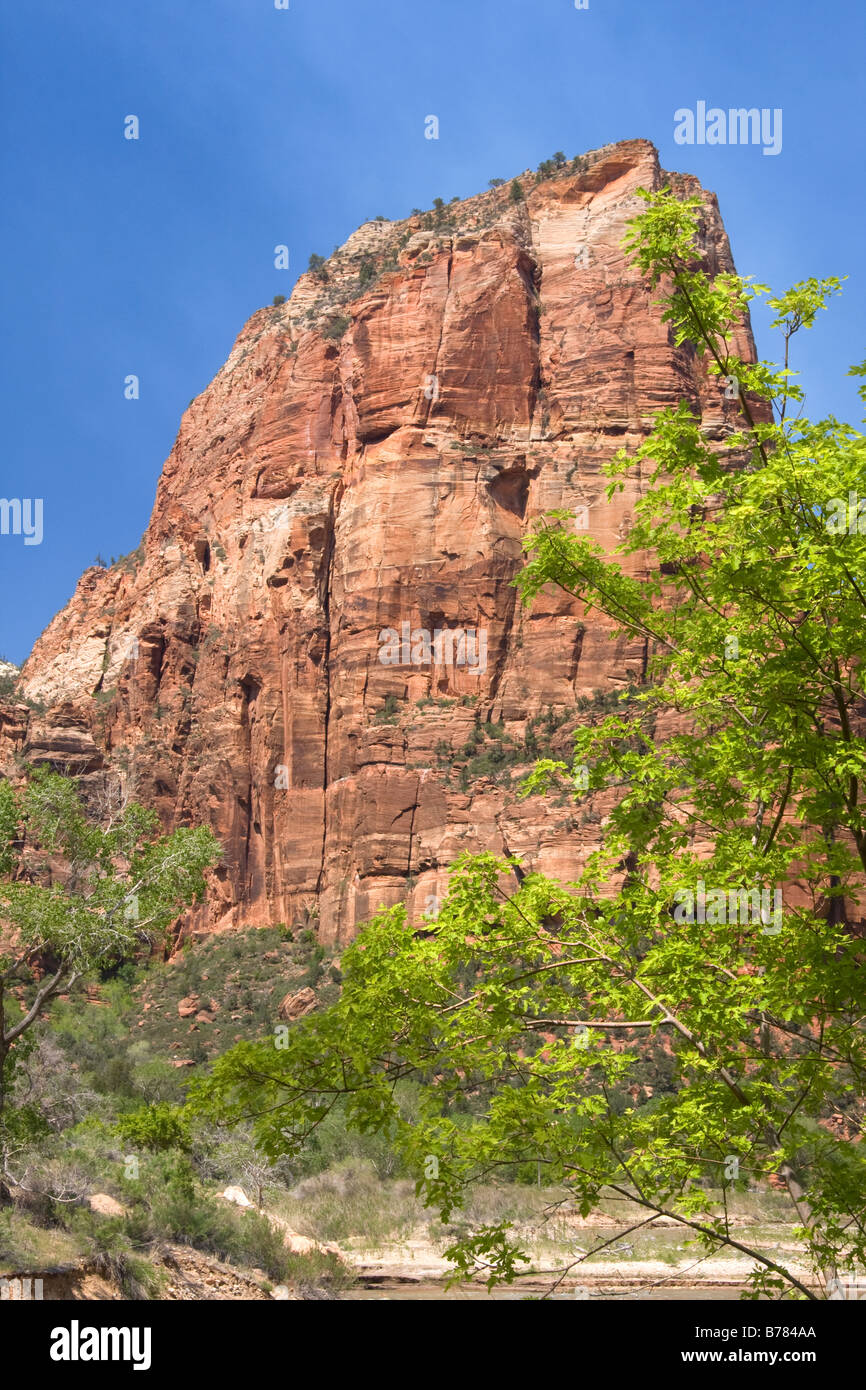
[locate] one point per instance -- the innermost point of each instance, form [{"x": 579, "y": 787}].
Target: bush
[
  {"x": 278, "y": 299},
  {"x": 517, "y": 194},
  {"x": 157, "y": 1127},
  {"x": 113, "y": 1075},
  {"x": 389, "y": 711},
  {"x": 179, "y": 1209},
  {"x": 336, "y": 328}
]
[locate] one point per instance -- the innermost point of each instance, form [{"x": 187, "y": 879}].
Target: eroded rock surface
[{"x": 371, "y": 455}]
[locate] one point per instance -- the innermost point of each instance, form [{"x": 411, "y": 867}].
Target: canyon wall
[{"x": 371, "y": 455}]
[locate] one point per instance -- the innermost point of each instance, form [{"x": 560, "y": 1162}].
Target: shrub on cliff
[
  {"x": 9, "y": 677},
  {"x": 336, "y": 328}
]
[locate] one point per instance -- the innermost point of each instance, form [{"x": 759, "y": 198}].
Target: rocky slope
[{"x": 370, "y": 456}]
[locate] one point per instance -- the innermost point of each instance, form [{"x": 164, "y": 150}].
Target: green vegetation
[
  {"x": 389, "y": 712},
  {"x": 131, "y": 563},
  {"x": 158, "y": 1127},
  {"x": 336, "y": 328},
  {"x": 164, "y": 1198},
  {"x": 124, "y": 887},
  {"x": 95, "y": 1104},
  {"x": 559, "y": 164},
  {"x": 492, "y": 752}
]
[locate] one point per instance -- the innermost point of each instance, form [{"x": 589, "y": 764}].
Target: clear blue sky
[{"x": 261, "y": 126}]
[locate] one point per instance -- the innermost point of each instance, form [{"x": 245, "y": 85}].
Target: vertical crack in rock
[
  {"x": 504, "y": 648},
  {"x": 530, "y": 271},
  {"x": 576, "y": 650},
  {"x": 251, "y": 688},
  {"x": 328, "y": 554},
  {"x": 435, "y": 373},
  {"x": 412, "y": 825}
]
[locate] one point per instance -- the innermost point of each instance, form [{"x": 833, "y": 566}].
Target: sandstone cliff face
[{"x": 370, "y": 456}]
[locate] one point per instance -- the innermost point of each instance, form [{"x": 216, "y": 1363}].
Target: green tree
[
  {"x": 84, "y": 897},
  {"x": 736, "y": 771},
  {"x": 516, "y": 193},
  {"x": 10, "y": 817}
]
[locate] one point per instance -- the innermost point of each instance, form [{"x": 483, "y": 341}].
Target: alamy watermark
[
  {"x": 20, "y": 1290},
  {"x": 846, "y": 518},
  {"x": 850, "y": 1287},
  {"x": 742, "y": 906},
  {"x": 22, "y": 516},
  {"x": 458, "y": 646},
  {"x": 77, "y": 1343},
  {"x": 736, "y": 126}
]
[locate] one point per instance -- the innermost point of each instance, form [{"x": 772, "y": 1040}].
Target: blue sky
[{"x": 261, "y": 126}]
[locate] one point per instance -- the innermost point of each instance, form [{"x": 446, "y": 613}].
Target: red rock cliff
[{"x": 370, "y": 455}]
